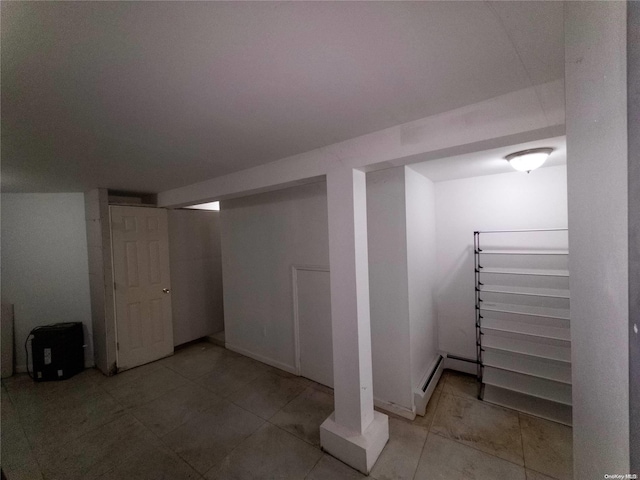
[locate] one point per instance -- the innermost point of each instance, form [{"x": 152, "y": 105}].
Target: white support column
[{"x": 354, "y": 433}]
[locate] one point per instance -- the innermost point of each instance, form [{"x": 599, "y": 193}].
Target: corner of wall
[
  {"x": 100, "y": 277},
  {"x": 421, "y": 271}
]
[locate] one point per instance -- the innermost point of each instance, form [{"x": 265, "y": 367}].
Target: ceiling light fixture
[{"x": 528, "y": 160}]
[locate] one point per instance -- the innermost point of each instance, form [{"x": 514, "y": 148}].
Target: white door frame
[{"x": 296, "y": 315}]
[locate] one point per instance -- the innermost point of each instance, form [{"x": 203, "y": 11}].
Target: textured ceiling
[{"x": 148, "y": 96}]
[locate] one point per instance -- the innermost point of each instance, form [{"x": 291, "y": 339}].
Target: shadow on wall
[{"x": 455, "y": 304}]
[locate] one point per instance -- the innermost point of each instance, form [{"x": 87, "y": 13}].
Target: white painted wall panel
[
  {"x": 45, "y": 272},
  {"x": 313, "y": 300},
  {"x": 493, "y": 202},
  {"x": 196, "y": 274},
  {"x": 388, "y": 286},
  {"x": 597, "y": 163},
  {"x": 262, "y": 237},
  {"x": 421, "y": 272}
]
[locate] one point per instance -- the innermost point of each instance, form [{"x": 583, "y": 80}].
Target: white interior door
[
  {"x": 140, "y": 244},
  {"x": 313, "y": 312}
]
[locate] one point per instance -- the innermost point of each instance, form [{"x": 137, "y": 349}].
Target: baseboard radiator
[{"x": 422, "y": 394}]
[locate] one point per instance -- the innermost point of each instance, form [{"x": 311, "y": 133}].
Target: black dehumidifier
[{"x": 57, "y": 351}]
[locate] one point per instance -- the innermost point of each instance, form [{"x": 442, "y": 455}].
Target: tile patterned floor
[{"x": 208, "y": 413}]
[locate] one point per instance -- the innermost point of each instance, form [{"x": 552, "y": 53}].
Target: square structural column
[{"x": 354, "y": 433}]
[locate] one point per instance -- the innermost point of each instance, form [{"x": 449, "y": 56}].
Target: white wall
[
  {"x": 402, "y": 277},
  {"x": 388, "y": 286},
  {"x": 595, "y": 72},
  {"x": 196, "y": 274},
  {"x": 493, "y": 202},
  {"x": 633, "y": 118},
  {"x": 101, "y": 292},
  {"x": 262, "y": 237},
  {"x": 421, "y": 271},
  {"x": 45, "y": 271}
]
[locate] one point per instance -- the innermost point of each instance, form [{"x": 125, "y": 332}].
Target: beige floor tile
[
  {"x": 305, "y": 382},
  {"x": 31, "y": 397},
  {"x": 152, "y": 464},
  {"x": 426, "y": 420},
  {"x": 399, "y": 459},
  {"x": 330, "y": 468},
  {"x": 267, "y": 394},
  {"x": 22, "y": 382},
  {"x": 71, "y": 419},
  {"x": 25, "y": 472},
  {"x": 444, "y": 459},
  {"x": 81, "y": 428},
  {"x": 195, "y": 361},
  {"x": 231, "y": 374},
  {"x": 205, "y": 440},
  {"x": 285, "y": 374},
  {"x": 18, "y": 460},
  {"x": 174, "y": 408},
  {"x": 461, "y": 384},
  {"x": 489, "y": 428},
  {"x": 532, "y": 475},
  {"x": 130, "y": 376},
  {"x": 303, "y": 415},
  {"x": 8, "y": 413},
  {"x": 269, "y": 453},
  {"x": 322, "y": 388},
  {"x": 96, "y": 452},
  {"x": 547, "y": 447},
  {"x": 147, "y": 388},
  {"x": 441, "y": 381}
]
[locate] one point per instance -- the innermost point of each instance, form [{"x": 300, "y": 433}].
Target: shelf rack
[{"x": 523, "y": 350}]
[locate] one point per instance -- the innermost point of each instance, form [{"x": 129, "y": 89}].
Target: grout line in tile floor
[
  {"x": 415, "y": 470},
  {"x": 24, "y": 433},
  {"x": 265, "y": 421},
  {"x": 193, "y": 381},
  {"x": 129, "y": 411},
  {"x": 452, "y": 392},
  {"x": 163, "y": 442},
  {"x": 475, "y": 448},
  {"x": 306, "y": 475},
  {"x": 524, "y": 460}
]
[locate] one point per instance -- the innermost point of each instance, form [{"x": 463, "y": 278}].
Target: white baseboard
[
  {"x": 394, "y": 408},
  {"x": 260, "y": 358}
]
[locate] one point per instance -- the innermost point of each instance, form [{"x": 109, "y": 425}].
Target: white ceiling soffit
[
  {"x": 489, "y": 162},
  {"x": 150, "y": 96}
]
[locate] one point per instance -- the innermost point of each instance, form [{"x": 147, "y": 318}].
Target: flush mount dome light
[{"x": 528, "y": 160}]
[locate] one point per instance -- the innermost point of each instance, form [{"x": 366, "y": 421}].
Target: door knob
[{"x": 165, "y": 290}]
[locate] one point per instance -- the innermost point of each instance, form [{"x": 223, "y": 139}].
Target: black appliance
[{"x": 58, "y": 351}]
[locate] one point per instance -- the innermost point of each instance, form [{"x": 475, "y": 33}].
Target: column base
[{"x": 359, "y": 451}]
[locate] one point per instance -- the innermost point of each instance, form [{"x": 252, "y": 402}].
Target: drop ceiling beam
[{"x": 515, "y": 117}]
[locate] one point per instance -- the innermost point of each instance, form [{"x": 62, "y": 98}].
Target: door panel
[
  {"x": 314, "y": 325},
  {"x": 144, "y": 329}
]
